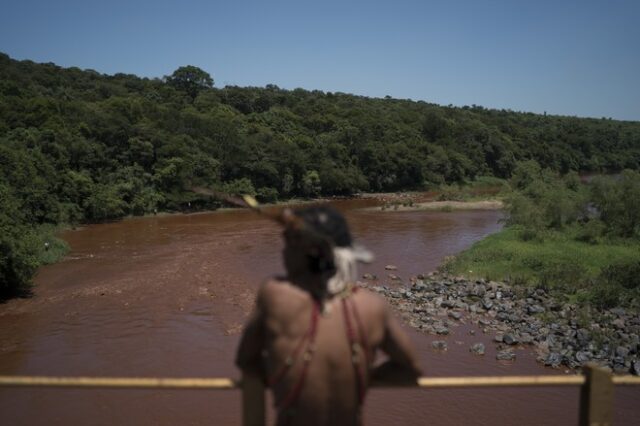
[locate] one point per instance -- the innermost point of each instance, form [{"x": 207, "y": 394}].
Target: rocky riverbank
[{"x": 562, "y": 335}]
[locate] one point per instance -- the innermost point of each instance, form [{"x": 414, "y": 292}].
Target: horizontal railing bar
[
  {"x": 226, "y": 383},
  {"x": 626, "y": 380},
  {"x": 497, "y": 381},
  {"x": 120, "y": 382}
]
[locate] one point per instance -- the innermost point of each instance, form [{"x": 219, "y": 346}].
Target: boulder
[
  {"x": 477, "y": 349},
  {"x": 583, "y": 356},
  {"x": 440, "y": 329},
  {"x": 440, "y": 345},
  {"x": 487, "y": 304},
  {"x": 526, "y": 338},
  {"x": 618, "y": 311},
  {"x": 505, "y": 355},
  {"x": 455, "y": 315},
  {"x": 622, "y": 351},
  {"x": 447, "y": 304},
  {"x": 535, "y": 309},
  {"x": 554, "y": 359},
  {"x": 618, "y": 323},
  {"x": 479, "y": 290},
  {"x": 510, "y": 339}
]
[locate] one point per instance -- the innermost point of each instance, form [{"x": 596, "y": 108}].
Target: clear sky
[{"x": 564, "y": 57}]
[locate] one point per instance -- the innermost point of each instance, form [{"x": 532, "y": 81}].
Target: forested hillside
[{"x": 78, "y": 146}]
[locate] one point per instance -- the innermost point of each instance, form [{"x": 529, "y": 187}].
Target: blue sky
[{"x": 564, "y": 57}]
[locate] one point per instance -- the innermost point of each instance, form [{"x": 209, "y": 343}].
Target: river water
[{"x": 167, "y": 296}]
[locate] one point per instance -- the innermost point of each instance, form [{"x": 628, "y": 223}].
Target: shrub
[
  {"x": 591, "y": 231},
  {"x": 605, "y": 295},
  {"x": 239, "y": 187},
  {"x": 618, "y": 202},
  {"x": 450, "y": 193},
  {"x": 18, "y": 261},
  {"x": 267, "y": 195},
  {"x": 625, "y": 274}
]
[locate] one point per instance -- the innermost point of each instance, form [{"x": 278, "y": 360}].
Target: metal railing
[{"x": 596, "y": 397}]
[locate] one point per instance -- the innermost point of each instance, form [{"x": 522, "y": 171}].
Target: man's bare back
[
  {"x": 313, "y": 335},
  {"x": 329, "y": 395}
]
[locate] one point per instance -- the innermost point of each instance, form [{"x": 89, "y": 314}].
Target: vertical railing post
[
  {"x": 253, "y": 412},
  {"x": 596, "y": 397}
]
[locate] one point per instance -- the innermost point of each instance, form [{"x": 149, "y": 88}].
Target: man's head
[{"x": 309, "y": 247}]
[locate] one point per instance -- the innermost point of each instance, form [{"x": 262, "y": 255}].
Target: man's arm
[
  {"x": 402, "y": 364},
  {"x": 249, "y": 355}
]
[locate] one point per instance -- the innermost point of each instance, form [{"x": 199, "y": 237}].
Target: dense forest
[{"x": 80, "y": 146}]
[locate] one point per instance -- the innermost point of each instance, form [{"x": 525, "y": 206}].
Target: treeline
[{"x": 77, "y": 145}]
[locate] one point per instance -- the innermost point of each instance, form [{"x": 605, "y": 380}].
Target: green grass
[
  {"x": 555, "y": 261},
  {"x": 57, "y": 249}
]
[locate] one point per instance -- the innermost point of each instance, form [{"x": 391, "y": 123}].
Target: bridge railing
[{"x": 596, "y": 397}]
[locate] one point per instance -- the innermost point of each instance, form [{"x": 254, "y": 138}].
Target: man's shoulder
[
  {"x": 371, "y": 299},
  {"x": 276, "y": 288}
]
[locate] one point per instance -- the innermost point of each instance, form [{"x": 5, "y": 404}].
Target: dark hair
[{"x": 327, "y": 222}]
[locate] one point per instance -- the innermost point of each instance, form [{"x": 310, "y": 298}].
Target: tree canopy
[
  {"x": 190, "y": 79},
  {"x": 77, "y": 145}
]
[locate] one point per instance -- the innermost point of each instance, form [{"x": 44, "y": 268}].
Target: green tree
[{"x": 190, "y": 79}]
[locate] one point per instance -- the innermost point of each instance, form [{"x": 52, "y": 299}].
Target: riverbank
[
  {"x": 449, "y": 205},
  {"x": 562, "y": 335},
  {"x": 604, "y": 274}
]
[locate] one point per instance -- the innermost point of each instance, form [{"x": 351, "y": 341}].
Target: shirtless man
[{"x": 313, "y": 335}]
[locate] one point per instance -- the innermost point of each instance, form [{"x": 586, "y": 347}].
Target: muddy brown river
[{"x": 167, "y": 296}]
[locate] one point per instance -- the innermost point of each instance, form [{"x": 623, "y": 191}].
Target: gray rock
[
  {"x": 583, "y": 356},
  {"x": 526, "y": 338},
  {"x": 479, "y": 290},
  {"x": 622, "y": 351},
  {"x": 420, "y": 286},
  {"x": 369, "y": 277},
  {"x": 502, "y": 316},
  {"x": 535, "y": 309},
  {"x": 514, "y": 318},
  {"x": 617, "y": 311},
  {"x": 635, "y": 368},
  {"x": 620, "y": 369},
  {"x": 394, "y": 277},
  {"x": 477, "y": 349},
  {"x": 618, "y": 323},
  {"x": 487, "y": 304},
  {"x": 440, "y": 345},
  {"x": 441, "y": 330},
  {"x": 510, "y": 339},
  {"x": 498, "y": 338},
  {"x": 583, "y": 336},
  {"x": 554, "y": 359},
  {"x": 455, "y": 315},
  {"x": 505, "y": 355},
  {"x": 447, "y": 304},
  {"x": 391, "y": 268},
  {"x": 472, "y": 332}
]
